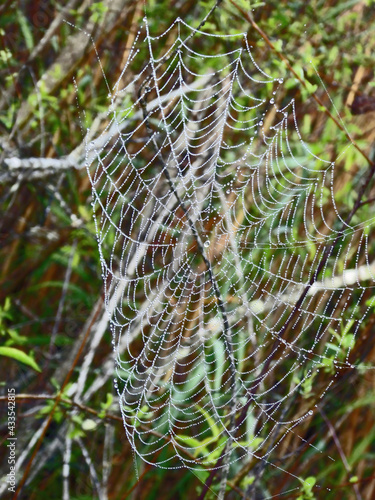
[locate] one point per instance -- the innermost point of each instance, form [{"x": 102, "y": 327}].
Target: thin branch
[
  {"x": 52, "y": 29},
  {"x": 365, "y": 202},
  {"x": 167, "y": 56},
  {"x": 57, "y": 400},
  {"x": 60, "y": 309},
  {"x": 93, "y": 475},
  {"x": 317, "y": 99},
  {"x": 66, "y": 466},
  {"x": 107, "y": 458},
  {"x": 340, "y": 450},
  {"x": 18, "y": 169},
  {"x": 326, "y": 254},
  {"x": 105, "y": 416},
  {"x": 296, "y": 309},
  {"x": 220, "y": 301}
]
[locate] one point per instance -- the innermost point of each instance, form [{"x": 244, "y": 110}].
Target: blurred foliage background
[{"x": 51, "y": 302}]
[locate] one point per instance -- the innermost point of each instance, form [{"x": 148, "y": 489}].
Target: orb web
[{"x": 231, "y": 277}]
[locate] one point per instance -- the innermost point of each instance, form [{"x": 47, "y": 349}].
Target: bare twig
[
  {"x": 60, "y": 309},
  {"x": 52, "y": 29},
  {"x": 250, "y": 19},
  {"x": 340, "y": 450},
  {"x": 365, "y": 202},
  {"x": 296, "y": 309},
  {"x": 104, "y": 416},
  {"x": 93, "y": 475},
  {"x": 66, "y": 466},
  {"x": 57, "y": 400},
  {"x": 107, "y": 458},
  {"x": 220, "y": 301},
  {"x": 326, "y": 254}
]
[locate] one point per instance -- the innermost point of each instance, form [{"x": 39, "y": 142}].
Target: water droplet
[
  {"x": 207, "y": 243},
  {"x": 281, "y": 80},
  {"x": 260, "y": 123},
  {"x": 228, "y": 191},
  {"x": 311, "y": 412},
  {"x": 272, "y": 101}
]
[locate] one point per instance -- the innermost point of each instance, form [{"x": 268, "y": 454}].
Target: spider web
[{"x": 230, "y": 276}]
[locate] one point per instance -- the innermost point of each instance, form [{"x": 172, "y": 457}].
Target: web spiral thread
[{"x": 211, "y": 223}]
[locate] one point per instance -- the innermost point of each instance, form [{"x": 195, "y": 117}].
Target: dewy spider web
[{"x": 211, "y": 225}]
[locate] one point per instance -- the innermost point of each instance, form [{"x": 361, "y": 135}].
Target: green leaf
[
  {"x": 360, "y": 449},
  {"x": 192, "y": 383},
  {"x": 108, "y": 402},
  {"x": 22, "y": 357},
  {"x": 196, "y": 446},
  {"x": 202, "y": 475},
  {"x": 7, "y": 304},
  {"x": 247, "y": 481},
  {"x": 98, "y": 10},
  {"x": 278, "y": 44},
  {"x": 55, "y": 383},
  {"x": 250, "y": 444},
  {"x": 309, "y": 482},
  {"x": 15, "y": 338},
  {"x": 348, "y": 341},
  {"x": 348, "y": 326},
  {"x": 26, "y": 31},
  {"x": 89, "y": 424},
  {"x": 218, "y": 450},
  {"x": 211, "y": 422},
  {"x": 311, "y": 87},
  {"x": 219, "y": 350},
  {"x": 75, "y": 432},
  {"x": 299, "y": 70}
]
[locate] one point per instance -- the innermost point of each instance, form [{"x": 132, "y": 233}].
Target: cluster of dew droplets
[{"x": 193, "y": 172}]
